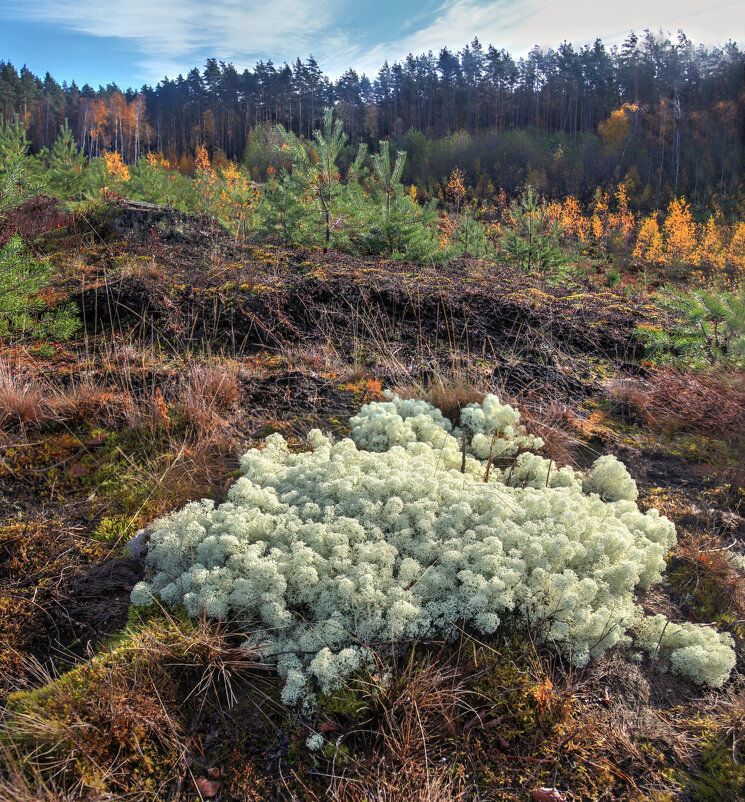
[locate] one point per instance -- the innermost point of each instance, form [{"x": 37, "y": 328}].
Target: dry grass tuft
[
  {"x": 450, "y": 394},
  {"x": 148, "y": 270},
  {"x": 672, "y": 400},
  {"x": 712, "y": 582},
  {"x": 118, "y": 725},
  {"x": 204, "y": 395},
  {"x": 24, "y": 400},
  {"x": 553, "y": 422},
  {"x": 710, "y": 405},
  {"x": 435, "y": 786},
  {"x": 86, "y": 399}
]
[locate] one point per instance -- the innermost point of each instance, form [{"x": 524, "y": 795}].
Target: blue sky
[{"x": 130, "y": 42}]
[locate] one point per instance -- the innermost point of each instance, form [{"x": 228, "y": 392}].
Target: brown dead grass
[
  {"x": 147, "y": 270},
  {"x": 710, "y": 579},
  {"x": 709, "y": 402},
  {"x": 450, "y": 394},
  {"x": 122, "y": 724},
  {"x": 24, "y": 399}
]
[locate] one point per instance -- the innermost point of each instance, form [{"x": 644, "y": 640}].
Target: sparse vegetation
[{"x": 159, "y": 319}]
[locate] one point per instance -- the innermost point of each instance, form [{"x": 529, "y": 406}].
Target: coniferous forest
[{"x": 667, "y": 116}]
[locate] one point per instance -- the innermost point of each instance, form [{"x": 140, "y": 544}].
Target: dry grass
[
  {"x": 435, "y": 786},
  {"x": 24, "y": 399},
  {"x": 710, "y": 405},
  {"x": 86, "y": 399},
  {"x": 553, "y": 422},
  {"x": 118, "y": 726},
  {"x": 709, "y": 402},
  {"x": 147, "y": 270},
  {"x": 320, "y": 357},
  {"x": 712, "y": 582},
  {"x": 449, "y": 393}
]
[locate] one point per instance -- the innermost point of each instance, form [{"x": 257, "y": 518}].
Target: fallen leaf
[
  {"x": 208, "y": 788},
  {"x": 328, "y": 726},
  {"x": 477, "y": 719},
  {"x": 548, "y": 795}
]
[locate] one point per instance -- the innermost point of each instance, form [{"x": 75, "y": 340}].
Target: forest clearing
[{"x": 337, "y": 463}]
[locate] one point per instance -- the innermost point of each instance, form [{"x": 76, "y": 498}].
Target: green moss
[
  {"x": 721, "y": 778},
  {"x": 114, "y": 531}
]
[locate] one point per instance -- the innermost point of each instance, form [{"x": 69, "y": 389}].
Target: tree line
[{"x": 666, "y": 115}]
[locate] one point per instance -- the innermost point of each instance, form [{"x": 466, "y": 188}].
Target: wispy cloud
[
  {"x": 175, "y": 33},
  {"x": 172, "y": 36},
  {"x": 518, "y": 25}
]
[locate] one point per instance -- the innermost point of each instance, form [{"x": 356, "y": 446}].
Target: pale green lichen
[{"x": 325, "y": 552}]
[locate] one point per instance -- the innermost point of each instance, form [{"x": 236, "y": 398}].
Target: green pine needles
[
  {"x": 315, "y": 178},
  {"x": 15, "y": 186},
  {"x": 65, "y": 176},
  {"x": 709, "y": 327},
  {"x": 531, "y": 241},
  {"x": 364, "y": 211},
  {"x": 392, "y": 223},
  {"x": 22, "y": 311}
]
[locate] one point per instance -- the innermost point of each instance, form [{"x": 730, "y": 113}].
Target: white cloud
[
  {"x": 173, "y": 33},
  {"x": 518, "y": 25}
]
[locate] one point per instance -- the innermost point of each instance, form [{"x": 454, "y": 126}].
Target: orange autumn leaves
[
  {"x": 714, "y": 247},
  {"x": 227, "y": 191},
  {"x": 594, "y": 230}
]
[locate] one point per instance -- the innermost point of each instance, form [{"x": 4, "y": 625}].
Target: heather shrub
[{"x": 410, "y": 528}]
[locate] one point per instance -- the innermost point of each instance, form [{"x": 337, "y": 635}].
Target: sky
[{"x": 132, "y": 42}]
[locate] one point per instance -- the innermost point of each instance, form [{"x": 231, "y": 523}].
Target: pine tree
[
  {"x": 282, "y": 214},
  {"x": 469, "y": 236},
  {"x": 315, "y": 174},
  {"x": 532, "y": 241},
  {"x": 22, "y": 310},
  {"x": 64, "y": 176},
  {"x": 15, "y": 182},
  {"x": 709, "y": 320},
  {"x": 389, "y": 183},
  {"x": 391, "y": 221}
]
